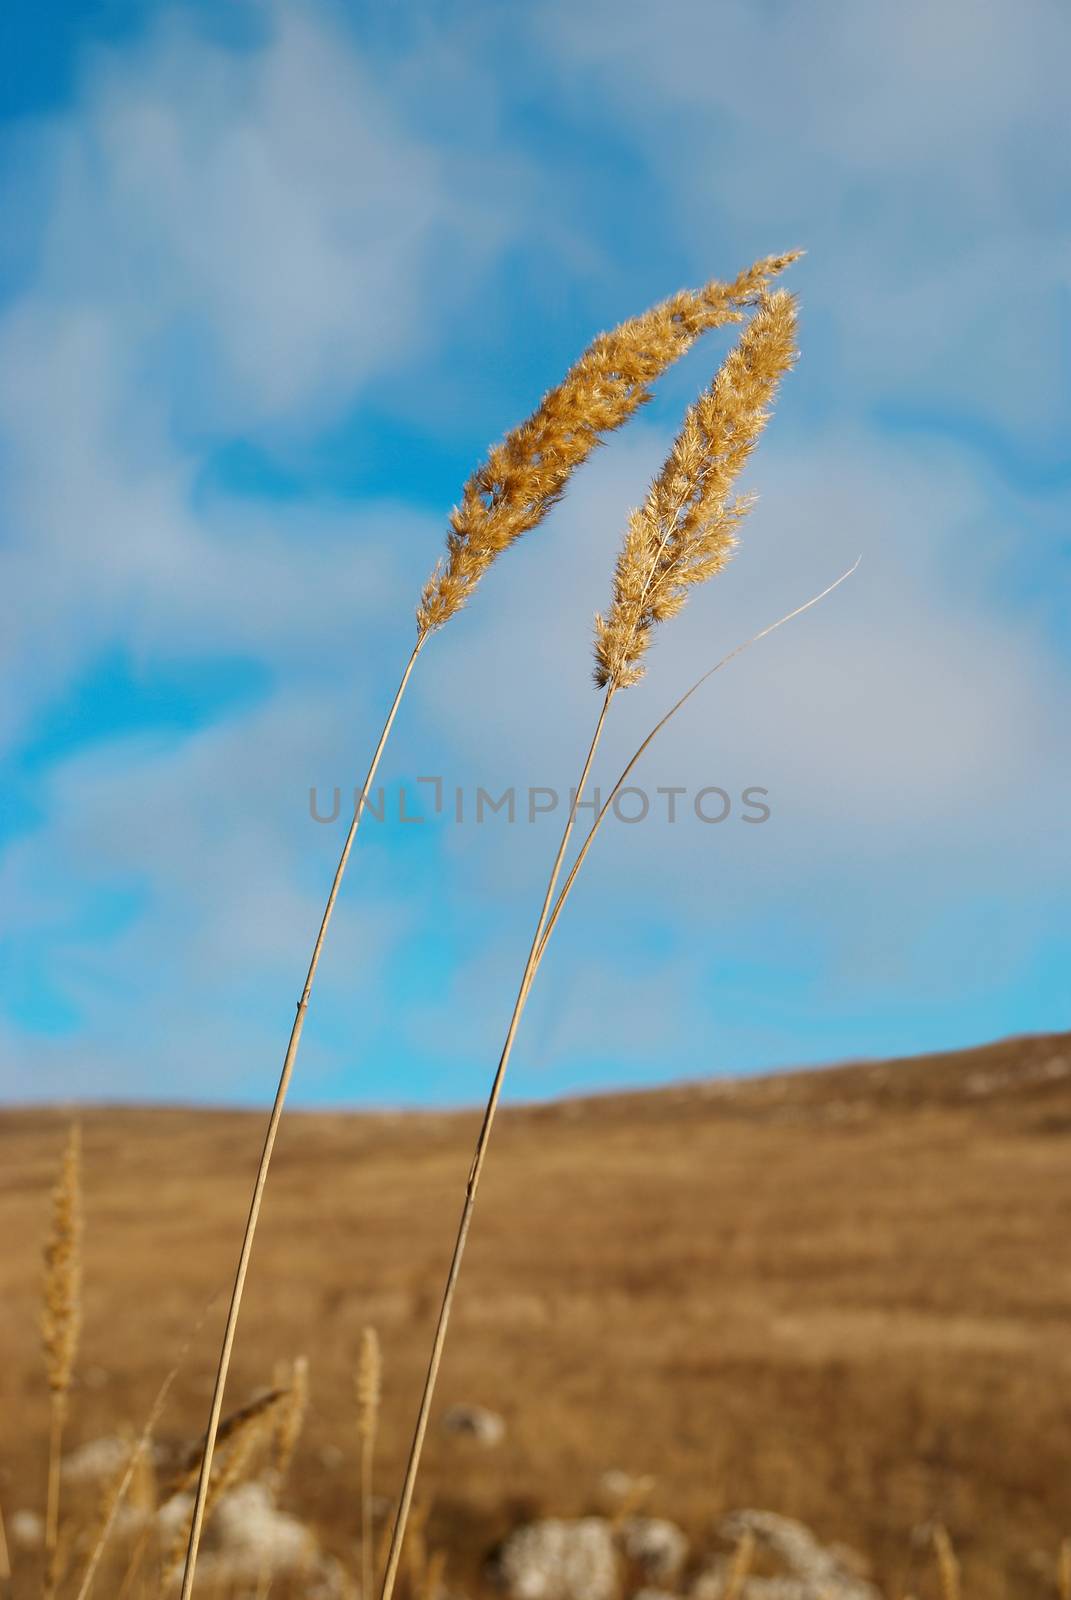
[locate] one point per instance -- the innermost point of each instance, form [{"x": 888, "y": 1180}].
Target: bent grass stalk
[
  {"x": 682, "y": 535},
  {"x": 547, "y": 923},
  {"x": 394, "y": 1553},
  {"x": 508, "y": 495},
  {"x": 205, "y": 1475}
]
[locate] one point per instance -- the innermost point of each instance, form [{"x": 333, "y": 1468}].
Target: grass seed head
[
  {"x": 525, "y": 475},
  {"x": 685, "y": 531},
  {"x": 62, "y": 1318},
  {"x": 289, "y": 1417},
  {"x": 369, "y": 1374}
]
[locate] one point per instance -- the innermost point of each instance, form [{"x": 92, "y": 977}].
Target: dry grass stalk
[
  {"x": 520, "y": 482},
  {"x": 685, "y": 532},
  {"x": 525, "y": 475},
  {"x": 240, "y": 1437},
  {"x": 947, "y": 1564},
  {"x": 369, "y": 1375},
  {"x": 61, "y": 1324},
  {"x": 740, "y": 1567},
  {"x": 5, "y": 1558},
  {"x": 642, "y": 748},
  {"x": 1063, "y": 1570},
  {"x": 675, "y": 542}
]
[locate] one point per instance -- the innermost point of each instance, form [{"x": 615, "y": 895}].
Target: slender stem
[
  {"x": 57, "y": 1415},
  {"x": 412, "y": 1466},
  {"x": 269, "y": 1145},
  {"x": 551, "y": 921},
  {"x": 367, "y": 1448}
]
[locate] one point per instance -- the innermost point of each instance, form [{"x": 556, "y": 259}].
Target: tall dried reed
[
  {"x": 369, "y": 1378},
  {"x": 682, "y": 535},
  {"x": 521, "y": 480},
  {"x": 60, "y": 1325}
]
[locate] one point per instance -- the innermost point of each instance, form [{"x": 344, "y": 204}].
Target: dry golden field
[{"x": 840, "y": 1295}]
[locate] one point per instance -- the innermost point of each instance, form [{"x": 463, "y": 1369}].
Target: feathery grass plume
[
  {"x": 677, "y": 541},
  {"x": 525, "y": 475},
  {"x": 521, "y": 480},
  {"x": 61, "y": 1321},
  {"x": 947, "y": 1564},
  {"x": 369, "y": 1375},
  {"x": 685, "y": 532}
]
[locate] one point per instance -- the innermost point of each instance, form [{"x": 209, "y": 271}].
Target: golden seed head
[
  {"x": 685, "y": 531},
  {"x": 369, "y": 1374},
  {"x": 62, "y": 1318},
  {"x": 526, "y": 474},
  {"x": 290, "y": 1417}
]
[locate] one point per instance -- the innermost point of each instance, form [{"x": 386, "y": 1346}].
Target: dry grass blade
[
  {"x": 657, "y": 729},
  {"x": 369, "y": 1377},
  {"x": 61, "y": 1323},
  {"x": 685, "y": 531},
  {"x": 947, "y": 1564},
  {"x": 5, "y": 1558},
  {"x": 739, "y": 1568},
  {"x": 238, "y": 1425},
  {"x": 239, "y": 1437},
  {"x": 525, "y": 475}
]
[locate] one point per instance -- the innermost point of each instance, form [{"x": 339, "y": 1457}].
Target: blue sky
[{"x": 271, "y": 279}]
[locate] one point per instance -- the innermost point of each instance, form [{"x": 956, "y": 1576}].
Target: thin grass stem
[
  {"x": 413, "y": 1464},
  {"x": 274, "y": 1120}
]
